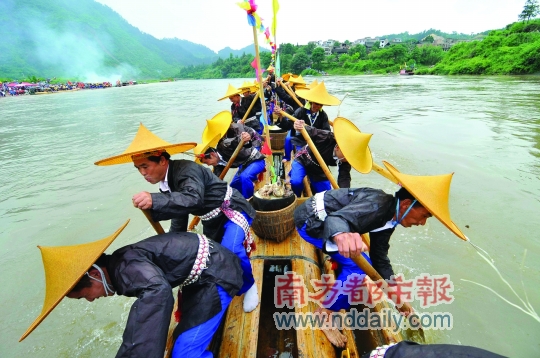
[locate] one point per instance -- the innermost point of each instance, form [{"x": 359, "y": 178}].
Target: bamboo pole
[
  {"x": 315, "y": 152},
  {"x": 291, "y": 93},
  {"x": 250, "y": 107},
  {"x": 155, "y": 224},
  {"x": 197, "y": 219},
  {"x": 261, "y": 93}
]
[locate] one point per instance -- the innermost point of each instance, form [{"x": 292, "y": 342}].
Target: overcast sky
[{"x": 221, "y": 23}]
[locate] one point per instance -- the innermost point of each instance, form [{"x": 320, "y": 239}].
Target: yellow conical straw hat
[
  {"x": 297, "y": 80},
  {"x": 288, "y": 76},
  {"x": 231, "y": 91},
  {"x": 318, "y": 94},
  {"x": 432, "y": 192},
  {"x": 217, "y": 126},
  {"x": 203, "y": 147},
  {"x": 145, "y": 141},
  {"x": 313, "y": 84},
  {"x": 353, "y": 144},
  {"x": 251, "y": 86},
  {"x": 64, "y": 266}
]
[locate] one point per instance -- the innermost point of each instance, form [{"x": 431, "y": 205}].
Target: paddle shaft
[
  {"x": 155, "y": 224},
  {"x": 197, "y": 219},
  {"x": 250, "y": 107},
  {"x": 291, "y": 93}
]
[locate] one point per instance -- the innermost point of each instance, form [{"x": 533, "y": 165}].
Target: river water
[{"x": 485, "y": 129}]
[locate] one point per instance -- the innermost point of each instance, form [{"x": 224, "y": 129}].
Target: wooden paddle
[
  {"x": 291, "y": 93},
  {"x": 155, "y": 224},
  {"x": 197, "y": 219},
  {"x": 250, "y": 107}
]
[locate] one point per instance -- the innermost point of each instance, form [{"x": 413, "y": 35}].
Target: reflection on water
[{"x": 484, "y": 129}]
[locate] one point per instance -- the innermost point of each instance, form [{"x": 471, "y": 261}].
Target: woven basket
[
  {"x": 274, "y": 225},
  {"x": 277, "y": 140}
]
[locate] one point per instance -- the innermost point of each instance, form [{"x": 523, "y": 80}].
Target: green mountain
[
  {"x": 248, "y": 50},
  {"x": 86, "y": 40}
]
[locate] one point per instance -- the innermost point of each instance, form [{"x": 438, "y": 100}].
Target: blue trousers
[
  {"x": 194, "y": 341},
  {"x": 346, "y": 267},
  {"x": 233, "y": 239},
  {"x": 243, "y": 182},
  {"x": 297, "y": 174}
]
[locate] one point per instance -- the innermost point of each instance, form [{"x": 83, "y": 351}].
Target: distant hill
[
  {"x": 248, "y": 50},
  {"x": 87, "y": 40},
  {"x": 405, "y": 36}
]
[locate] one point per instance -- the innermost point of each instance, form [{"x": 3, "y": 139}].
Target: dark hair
[
  {"x": 208, "y": 152},
  {"x": 85, "y": 281},
  {"x": 403, "y": 194},
  {"x": 156, "y": 159}
]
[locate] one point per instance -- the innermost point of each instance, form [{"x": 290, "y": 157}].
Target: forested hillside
[
  {"x": 514, "y": 50},
  {"x": 85, "y": 39}
]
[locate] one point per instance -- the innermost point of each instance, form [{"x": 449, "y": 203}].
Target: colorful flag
[{"x": 275, "y": 7}]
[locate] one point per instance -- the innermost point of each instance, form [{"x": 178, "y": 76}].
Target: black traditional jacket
[
  {"x": 196, "y": 190},
  {"x": 325, "y": 143},
  {"x": 148, "y": 270},
  {"x": 284, "y": 96},
  {"x": 354, "y": 210},
  {"x": 248, "y": 154}
]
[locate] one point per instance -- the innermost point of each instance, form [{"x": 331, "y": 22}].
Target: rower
[
  {"x": 208, "y": 275},
  {"x": 334, "y": 220},
  {"x": 188, "y": 188},
  {"x": 305, "y": 163},
  {"x": 312, "y": 114},
  {"x": 240, "y": 105},
  {"x": 249, "y": 161}
]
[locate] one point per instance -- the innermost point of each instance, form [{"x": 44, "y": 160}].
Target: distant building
[
  {"x": 383, "y": 43},
  {"x": 342, "y": 48}
]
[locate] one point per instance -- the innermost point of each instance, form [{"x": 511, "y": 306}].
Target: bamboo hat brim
[
  {"x": 353, "y": 144},
  {"x": 64, "y": 266},
  {"x": 145, "y": 141},
  {"x": 318, "y": 94},
  {"x": 288, "y": 76},
  {"x": 298, "y": 80},
  {"x": 231, "y": 91},
  {"x": 203, "y": 147},
  {"x": 216, "y": 126},
  {"x": 432, "y": 192}
]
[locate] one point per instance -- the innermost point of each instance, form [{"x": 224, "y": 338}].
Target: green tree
[
  {"x": 360, "y": 50},
  {"x": 309, "y": 48},
  {"x": 531, "y": 9},
  {"x": 287, "y": 49},
  {"x": 317, "y": 56},
  {"x": 429, "y": 39},
  {"x": 299, "y": 62}
]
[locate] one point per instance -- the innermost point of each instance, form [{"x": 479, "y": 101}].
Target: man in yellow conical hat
[
  {"x": 249, "y": 161},
  {"x": 335, "y": 219},
  {"x": 240, "y": 105},
  {"x": 189, "y": 188},
  {"x": 312, "y": 114},
  {"x": 305, "y": 163},
  {"x": 208, "y": 274}
]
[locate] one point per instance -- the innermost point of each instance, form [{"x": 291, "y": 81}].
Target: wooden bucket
[
  {"x": 274, "y": 225},
  {"x": 277, "y": 140}
]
